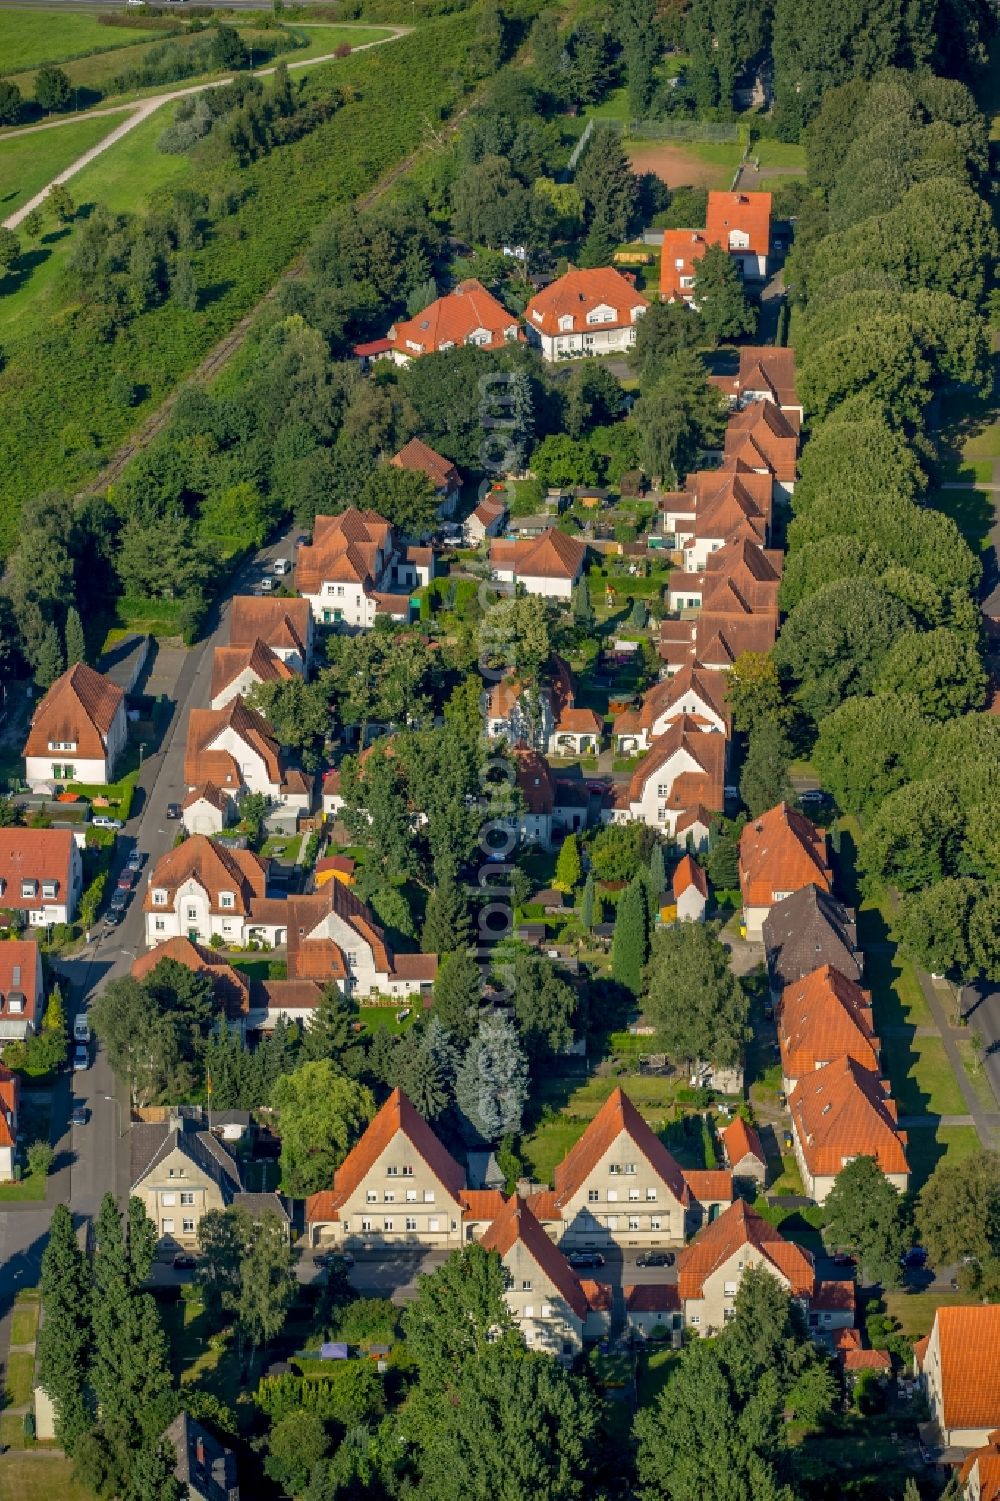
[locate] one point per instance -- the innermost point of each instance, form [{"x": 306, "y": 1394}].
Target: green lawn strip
[
  {"x": 383, "y": 1018},
  {"x": 548, "y": 1144},
  {"x": 262, "y": 969},
  {"x": 19, "y": 1377},
  {"x": 984, "y": 444},
  {"x": 197, "y": 1358},
  {"x": 654, "y": 1369},
  {"x": 915, "y": 1311},
  {"x": 29, "y": 38},
  {"x": 778, "y": 154},
  {"x": 923, "y": 1082},
  {"x": 971, "y": 511},
  {"x": 29, "y": 163},
  {"x": 30, "y": 1190},
  {"x": 23, "y": 1478},
  {"x": 896, "y": 994},
  {"x": 973, "y": 1065},
  {"x": 155, "y": 617},
  {"x": 24, "y": 1324},
  {"x": 926, "y": 1148},
  {"x": 94, "y": 75}
]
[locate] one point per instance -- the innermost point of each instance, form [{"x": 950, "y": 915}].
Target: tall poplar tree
[{"x": 63, "y": 1346}]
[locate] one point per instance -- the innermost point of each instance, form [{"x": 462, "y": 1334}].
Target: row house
[
  {"x": 233, "y": 749},
  {"x": 77, "y": 733},
  {"x": 399, "y": 1187},
  {"x": 418, "y": 456},
  {"x": 780, "y": 852},
  {"x": 822, "y": 1017},
  {"x": 590, "y": 312},
  {"x": 10, "y": 1102},
  {"x": 551, "y": 804},
  {"x": 766, "y": 373},
  {"x": 960, "y": 1375},
  {"x": 715, "y": 638},
  {"x": 692, "y": 694},
  {"x": 684, "y": 769},
  {"x": 620, "y": 1187},
  {"x": 804, "y": 932},
  {"x": 284, "y": 626},
  {"x": 717, "y": 506},
  {"x": 839, "y": 1112},
  {"x": 334, "y": 938},
  {"x": 202, "y": 890},
  {"x": 236, "y": 670},
  {"x": 547, "y": 565},
  {"x": 41, "y": 876},
  {"x": 763, "y": 439},
  {"x": 742, "y": 576},
  {"x": 356, "y": 569},
  {"x": 552, "y": 1308},
  {"x": 22, "y": 997},
  {"x": 980, "y": 1474},
  {"x": 468, "y": 315}
]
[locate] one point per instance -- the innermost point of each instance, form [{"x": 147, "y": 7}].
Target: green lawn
[
  {"x": 925, "y": 1148},
  {"x": 971, "y": 511},
  {"x": 29, "y": 38},
  {"x": 24, "y": 1321},
  {"x": 915, "y": 1311},
  {"x": 653, "y": 1371},
  {"x": 973, "y": 1065},
  {"x": 19, "y": 1378},
  {"x": 262, "y": 969},
  {"x": 983, "y": 445},
  {"x": 28, "y": 163},
  {"x": 896, "y": 994},
  {"x": 197, "y": 1359},
  {"x": 778, "y": 154},
  {"x": 921, "y": 1076},
  {"x": 383, "y": 1018},
  {"x": 30, "y": 1190},
  {"x": 548, "y": 1144},
  {"x": 23, "y": 1478}
]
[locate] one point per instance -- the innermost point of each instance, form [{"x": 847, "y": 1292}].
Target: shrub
[{"x": 40, "y": 1158}]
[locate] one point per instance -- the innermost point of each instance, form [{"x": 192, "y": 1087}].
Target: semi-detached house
[
  {"x": 693, "y": 694},
  {"x": 203, "y": 890},
  {"x": 839, "y": 1112},
  {"x": 821, "y": 1017},
  {"x": 356, "y": 569},
  {"x": 960, "y": 1373},
  {"x": 233, "y": 749},
  {"x": 780, "y": 852},
  {"x": 41, "y": 875},
  {"x": 285, "y": 626},
  {"x": 466, "y": 315},
  {"x": 77, "y": 733},
  {"x": 584, "y": 313},
  {"x": 236, "y": 670},
  {"x": 684, "y": 769},
  {"x": 22, "y": 999},
  {"x": 549, "y": 564},
  {"x": 333, "y": 938},
  {"x": 741, "y": 224}
]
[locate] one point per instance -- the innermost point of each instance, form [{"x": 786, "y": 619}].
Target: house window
[
  {"x": 529, "y": 1310},
  {"x": 434, "y": 1225},
  {"x": 633, "y": 1194},
  {"x": 650, "y": 1194},
  {"x": 192, "y": 914},
  {"x": 168, "y": 1200},
  {"x": 29, "y": 888},
  {"x": 526, "y": 1285},
  {"x": 227, "y": 898},
  {"x": 593, "y": 1195},
  {"x": 158, "y": 924},
  {"x": 387, "y": 1224},
  {"x": 655, "y": 1223},
  {"x": 187, "y": 1227},
  {"x": 49, "y": 889},
  {"x": 390, "y": 1198},
  {"x": 187, "y": 1198},
  {"x": 612, "y": 1196},
  {"x": 408, "y": 1170},
  {"x": 612, "y": 1222},
  {"x": 371, "y": 1196},
  {"x": 411, "y": 1196},
  {"x": 546, "y": 1310},
  {"x": 729, "y": 1289},
  {"x": 167, "y": 1227},
  {"x": 411, "y": 1223},
  {"x": 366, "y": 1224},
  {"x": 696, "y": 1319},
  {"x": 392, "y": 1172},
  {"x": 633, "y": 1222},
  {"x": 614, "y": 1168},
  {"x": 428, "y": 1196},
  {"x": 159, "y": 898}
]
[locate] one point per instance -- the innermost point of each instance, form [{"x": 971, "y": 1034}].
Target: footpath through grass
[
  {"x": 28, "y": 164},
  {"x": 29, "y": 38}
]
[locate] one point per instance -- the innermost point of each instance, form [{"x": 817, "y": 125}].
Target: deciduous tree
[
  {"x": 865, "y": 1215},
  {"x": 321, "y": 1114},
  {"x": 698, "y": 1006},
  {"x": 718, "y": 291}
]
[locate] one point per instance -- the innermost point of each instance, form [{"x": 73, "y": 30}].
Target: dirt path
[{"x": 144, "y": 109}]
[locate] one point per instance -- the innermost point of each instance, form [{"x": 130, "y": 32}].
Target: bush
[{"x": 40, "y": 1158}]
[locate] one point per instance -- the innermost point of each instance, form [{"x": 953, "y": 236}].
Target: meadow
[
  {"x": 31, "y": 38},
  {"x": 28, "y": 162}
]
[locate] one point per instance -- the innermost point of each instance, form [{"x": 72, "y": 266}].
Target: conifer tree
[
  {"x": 64, "y": 1335},
  {"x": 76, "y": 645},
  {"x": 447, "y": 927},
  {"x": 329, "y": 1032},
  {"x": 630, "y": 945},
  {"x": 458, "y": 993},
  {"x": 587, "y": 903},
  {"x": 657, "y": 871},
  {"x": 49, "y": 662},
  {"x": 569, "y": 867}
]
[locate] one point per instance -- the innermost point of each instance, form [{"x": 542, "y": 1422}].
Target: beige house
[
  {"x": 743, "y": 1152},
  {"x": 619, "y": 1186},
  {"x": 399, "y": 1187},
  {"x": 980, "y": 1475},
  {"x": 653, "y": 1309},
  {"x": 547, "y": 1300},
  {"x": 710, "y": 1269},
  {"x": 959, "y": 1367},
  {"x": 181, "y": 1172},
  {"x": 839, "y": 1112}
]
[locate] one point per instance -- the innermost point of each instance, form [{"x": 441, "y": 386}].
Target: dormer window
[
  {"x": 227, "y": 899},
  {"x": 29, "y": 888},
  {"x": 15, "y": 1003},
  {"x": 49, "y": 889},
  {"x": 566, "y": 323},
  {"x": 159, "y": 897}
]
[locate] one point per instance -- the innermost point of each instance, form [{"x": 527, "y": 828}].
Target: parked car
[
  {"x": 79, "y": 1115},
  {"x": 585, "y": 1258},
  {"x": 81, "y": 1057},
  {"x": 267, "y": 584},
  {"x": 812, "y": 795},
  {"x": 786, "y": 1140},
  {"x": 183, "y": 1262},
  {"x": 103, "y": 821},
  {"x": 113, "y": 916},
  {"x": 135, "y": 860},
  {"x": 173, "y": 810},
  {"x": 330, "y": 1258},
  {"x": 655, "y": 1258},
  {"x": 281, "y": 567},
  {"x": 841, "y": 1258},
  {"x": 126, "y": 880},
  {"x": 119, "y": 900},
  {"x": 81, "y": 1027}
]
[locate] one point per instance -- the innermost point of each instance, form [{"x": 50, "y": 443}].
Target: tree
[
  {"x": 53, "y": 89},
  {"x": 516, "y": 636},
  {"x": 10, "y": 102},
  {"x": 40, "y": 1157},
  {"x": 63, "y": 1343},
  {"x": 267, "y": 1282},
  {"x": 50, "y": 662},
  {"x": 329, "y": 1032},
  {"x": 764, "y": 780},
  {"x": 941, "y": 669},
  {"x": 223, "y": 1235},
  {"x": 753, "y": 690},
  {"x": 915, "y": 837},
  {"x": 295, "y": 1444},
  {"x": 142, "y": 1046},
  {"x": 607, "y": 185},
  {"x": 666, "y": 329},
  {"x": 447, "y": 924},
  {"x": 229, "y": 50},
  {"x": 768, "y": 1334},
  {"x": 428, "y": 1068},
  {"x": 934, "y": 926},
  {"x": 151, "y": 1475},
  {"x": 321, "y": 1114},
  {"x": 676, "y": 417},
  {"x": 491, "y": 1085},
  {"x": 865, "y": 1215},
  {"x": 184, "y": 287},
  {"x": 459, "y": 1312},
  {"x": 630, "y": 943},
  {"x": 545, "y": 1006},
  {"x": 958, "y": 1216},
  {"x": 490, "y": 205},
  {"x": 562, "y": 461},
  {"x": 515, "y": 1424},
  {"x": 569, "y": 868},
  {"x": 76, "y": 644},
  {"x": 860, "y": 753},
  {"x": 835, "y": 642},
  {"x": 721, "y": 301},
  {"x": 583, "y": 607},
  {"x": 163, "y": 558},
  {"x": 698, "y": 1006},
  {"x": 587, "y": 903},
  {"x": 618, "y": 851},
  {"x": 10, "y": 251},
  {"x": 458, "y": 992},
  {"x": 700, "y": 1443},
  {"x": 298, "y": 713},
  {"x": 60, "y": 204},
  {"x": 406, "y": 497}
]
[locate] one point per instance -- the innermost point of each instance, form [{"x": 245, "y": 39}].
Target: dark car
[
  {"x": 113, "y": 916},
  {"x": 841, "y": 1258},
  {"x": 173, "y": 810},
  {"x": 79, "y": 1115},
  {"x": 134, "y": 861},
  {"x": 655, "y": 1258},
  {"x": 183, "y": 1262},
  {"x": 585, "y": 1258},
  {"x": 120, "y": 900},
  {"x": 126, "y": 880},
  {"x": 330, "y": 1258}
]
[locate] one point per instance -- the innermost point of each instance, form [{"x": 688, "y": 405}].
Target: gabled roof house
[
  {"x": 202, "y": 890},
  {"x": 41, "y": 875},
  {"x": 78, "y": 731},
  {"x": 238, "y": 669},
  {"x": 466, "y": 315},
  {"x": 683, "y": 769},
  {"x": 741, "y": 223},
  {"x": 842, "y": 1111},
  {"x": 821, "y": 1017},
  {"x": 333, "y": 938},
  {"x": 960, "y": 1373},
  {"x": 283, "y": 625},
  {"x": 780, "y": 852},
  {"x": 585, "y": 312},
  {"x": 549, "y": 564},
  {"x": 234, "y": 750},
  {"x": 355, "y": 569},
  {"x": 806, "y": 931}
]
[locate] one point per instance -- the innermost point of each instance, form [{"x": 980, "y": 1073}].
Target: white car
[
  {"x": 81, "y": 1028},
  {"x": 102, "y": 821},
  {"x": 281, "y": 567},
  {"x": 267, "y": 584}
]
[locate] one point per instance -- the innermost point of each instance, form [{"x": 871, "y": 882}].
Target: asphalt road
[{"x": 981, "y": 1008}]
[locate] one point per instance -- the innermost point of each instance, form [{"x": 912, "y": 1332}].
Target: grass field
[
  {"x": 921, "y": 1076},
  {"x": 924, "y": 1149},
  {"x": 778, "y": 154},
  {"x": 19, "y": 1378},
  {"x": 29, "y": 163},
  {"x": 29, "y": 38},
  {"x": 24, "y": 1478},
  {"x": 24, "y": 1320},
  {"x": 915, "y": 1311},
  {"x": 30, "y": 1190}
]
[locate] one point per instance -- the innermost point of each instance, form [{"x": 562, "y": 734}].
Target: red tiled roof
[
  {"x": 710, "y": 1185},
  {"x": 866, "y": 1360},
  {"x": 839, "y": 1296},
  {"x": 578, "y": 293},
  {"x": 689, "y": 873},
  {"x": 279, "y": 622},
  {"x": 740, "y": 1140},
  {"x": 580, "y": 722},
  {"x": 482, "y": 1203},
  {"x": 749, "y": 212},
  {"x": 419, "y": 455},
  {"x": 551, "y": 555},
  {"x": 78, "y": 709},
  {"x": 663, "y": 697},
  {"x": 348, "y": 548},
  {"x": 205, "y": 762},
  {"x": 231, "y": 985},
  {"x": 720, "y": 1240},
  {"x": 768, "y": 368},
  {"x": 599, "y": 1295},
  {"x": 760, "y": 435},
  {"x": 10, "y": 1098},
  {"x": 652, "y": 1297},
  {"x": 781, "y": 851},
  {"x": 396, "y": 1117},
  {"x": 20, "y": 970},
  {"x": 291, "y": 995},
  {"x": 616, "y": 1116},
  {"x": 516, "y": 1222},
  {"x": 842, "y": 1111},
  {"x": 38, "y": 855},
  {"x": 683, "y": 246},
  {"x": 216, "y": 868},
  {"x": 453, "y": 319},
  {"x": 969, "y": 1341},
  {"x": 229, "y": 661},
  {"x": 986, "y": 1464},
  {"x": 209, "y": 793},
  {"x": 534, "y": 777},
  {"x": 701, "y": 783},
  {"x": 414, "y": 967},
  {"x": 824, "y": 1016}
]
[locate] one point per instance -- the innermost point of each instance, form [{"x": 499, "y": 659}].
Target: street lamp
[{"x": 117, "y": 1102}]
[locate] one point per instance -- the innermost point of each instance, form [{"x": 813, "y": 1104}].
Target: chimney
[
  {"x": 199, "y": 1450},
  {"x": 175, "y": 1121}
]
